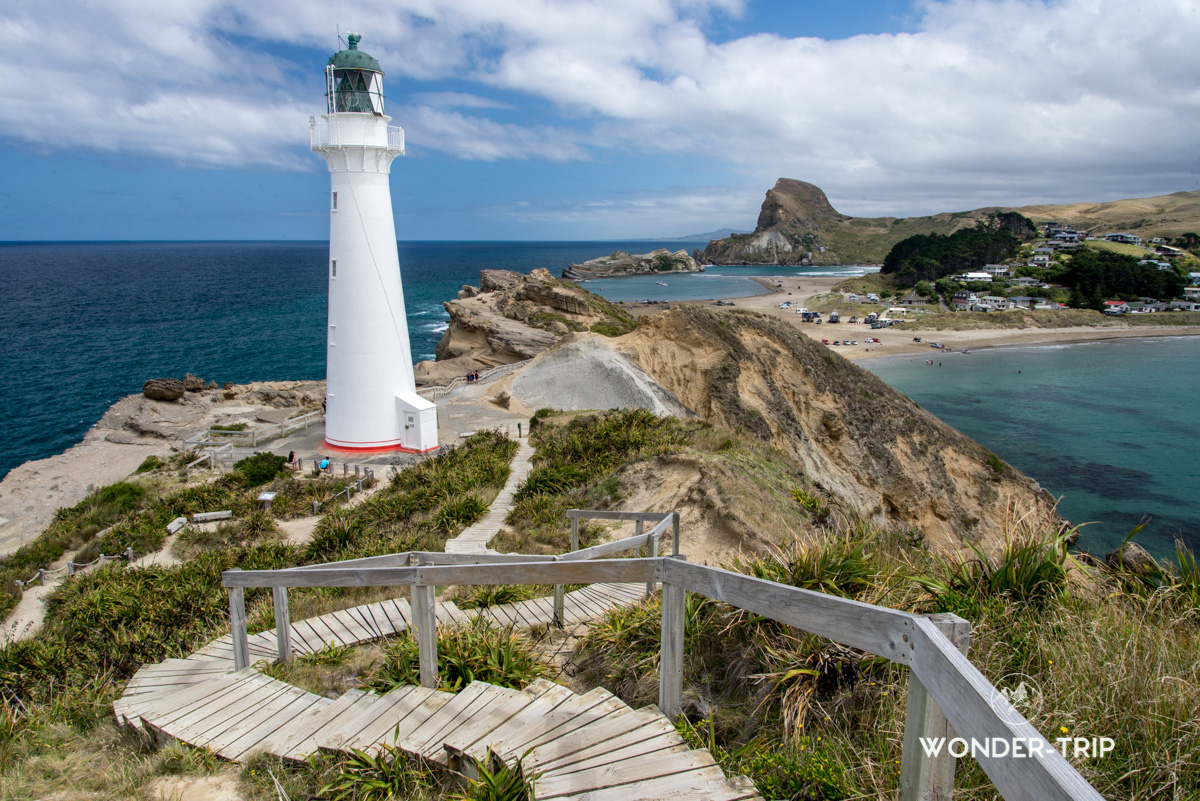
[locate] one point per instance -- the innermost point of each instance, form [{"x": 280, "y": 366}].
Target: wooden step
[
  {"x": 205, "y": 722},
  {"x": 300, "y": 742},
  {"x": 461, "y": 759},
  {"x": 572, "y": 714},
  {"x": 628, "y": 724},
  {"x": 703, "y": 784},
  {"x": 646, "y": 728},
  {"x": 265, "y": 726},
  {"x": 420, "y": 704},
  {"x": 169, "y": 707},
  {"x": 476, "y": 698},
  {"x": 498, "y": 715},
  {"x": 625, "y": 773}
]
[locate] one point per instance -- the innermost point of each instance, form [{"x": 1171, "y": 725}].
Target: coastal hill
[
  {"x": 878, "y": 455},
  {"x": 798, "y": 225}
]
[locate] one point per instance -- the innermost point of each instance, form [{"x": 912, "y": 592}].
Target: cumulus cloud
[{"x": 990, "y": 101}]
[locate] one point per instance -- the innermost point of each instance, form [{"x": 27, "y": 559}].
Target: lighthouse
[{"x": 372, "y": 404}]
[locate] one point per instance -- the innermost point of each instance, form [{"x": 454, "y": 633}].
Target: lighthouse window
[
  {"x": 333, "y": 268},
  {"x": 332, "y": 333},
  {"x": 335, "y": 201}
]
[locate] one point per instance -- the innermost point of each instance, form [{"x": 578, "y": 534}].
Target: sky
[{"x": 587, "y": 119}]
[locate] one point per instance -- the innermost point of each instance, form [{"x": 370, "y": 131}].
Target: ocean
[
  {"x": 1108, "y": 426},
  {"x": 84, "y": 324}
]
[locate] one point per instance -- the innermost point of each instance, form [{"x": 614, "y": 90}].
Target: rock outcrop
[
  {"x": 620, "y": 263},
  {"x": 876, "y": 453},
  {"x": 167, "y": 389},
  {"x": 511, "y": 317}
]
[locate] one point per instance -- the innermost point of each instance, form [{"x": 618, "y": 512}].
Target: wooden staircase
[{"x": 589, "y": 747}]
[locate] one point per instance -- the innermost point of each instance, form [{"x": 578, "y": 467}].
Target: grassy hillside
[
  {"x": 1110, "y": 652},
  {"x": 802, "y": 214}
]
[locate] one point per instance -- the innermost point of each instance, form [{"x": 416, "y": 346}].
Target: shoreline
[{"x": 899, "y": 342}]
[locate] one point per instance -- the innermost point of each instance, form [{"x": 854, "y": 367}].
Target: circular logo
[{"x": 1016, "y": 699}]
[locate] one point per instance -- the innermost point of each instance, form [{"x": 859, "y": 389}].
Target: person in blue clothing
[{"x": 324, "y": 464}]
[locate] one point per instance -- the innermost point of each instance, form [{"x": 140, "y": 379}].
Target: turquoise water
[
  {"x": 715, "y": 282},
  {"x": 1109, "y": 426}
]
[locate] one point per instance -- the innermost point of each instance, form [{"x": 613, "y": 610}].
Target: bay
[{"x": 1109, "y": 426}]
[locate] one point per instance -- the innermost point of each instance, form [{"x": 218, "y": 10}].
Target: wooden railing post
[
  {"x": 283, "y": 624},
  {"x": 924, "y": 778},
  {"x": 670, "y": 659},
  {"x": 424, "y": 612},
  {"x": 560, "y": 591},
  {"x": 237, "y": 628},
  {"x": 560, "y": 600},
  {"x": 674, "y": 533}
]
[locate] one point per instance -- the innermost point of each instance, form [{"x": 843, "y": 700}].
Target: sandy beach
[{"x": 897, "y": 342}]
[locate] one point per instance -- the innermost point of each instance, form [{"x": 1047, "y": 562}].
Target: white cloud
[{"x": 987, "y": 101}]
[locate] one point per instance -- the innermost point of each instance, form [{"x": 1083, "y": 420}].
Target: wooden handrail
[{"x": 946, "y": 692}]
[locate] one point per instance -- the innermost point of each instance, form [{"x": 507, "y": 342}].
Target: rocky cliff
[
  {"x": 620, "y": 263},
  {"x": 876, "y": 453},
  {"x": 797, "y": 225},
  {"x": 511, "y": 317}
]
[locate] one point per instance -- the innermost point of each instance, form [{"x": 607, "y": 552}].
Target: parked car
[{"x": 824, "y": 341}]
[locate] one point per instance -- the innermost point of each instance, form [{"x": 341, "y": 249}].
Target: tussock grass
[{"x": 807, "y": 718}]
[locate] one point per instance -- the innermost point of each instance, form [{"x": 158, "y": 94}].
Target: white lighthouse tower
[{"x": 372, "y": 404}]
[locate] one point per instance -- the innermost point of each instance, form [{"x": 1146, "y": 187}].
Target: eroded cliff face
[
  {"x": 792, "y": 229},
  {"x": 874, "y": 450},
  {"x": 511, "y": 317}
]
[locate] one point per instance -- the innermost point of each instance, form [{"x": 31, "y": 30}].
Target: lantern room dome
[{"x": 352, "y": 58}]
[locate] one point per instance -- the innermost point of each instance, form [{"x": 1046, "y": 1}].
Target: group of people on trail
[
  {"x": 294, "y": 463},
  {"x": 473, "y": 377}
]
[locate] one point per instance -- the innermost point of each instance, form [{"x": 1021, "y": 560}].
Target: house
[
  {"x": 1162, "y": 265},
  {"x": 995, "y": 270},
  {"x": 1191, "y": 292},
  {"x": 995, "y": 302},
  {"x": 912, "y": 299},
  {"x": 1125, "y": 239},
  {"x": 1185, "y": 305},
  {"x": 1158, "y": 240},
  {"x": 1194, "y": 278},
  {"x": 963, "y": 301},
  {"x": 1039, "y": 260},
  {"x": 1115, "y": 307},
  {"x": 1024, "y": 281},
  {"x": 1023, "y": 301},
  {"x": 974, "y": 276}
]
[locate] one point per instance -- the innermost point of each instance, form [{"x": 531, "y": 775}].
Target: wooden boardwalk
[
  {"x": 475, "y": 538},
  {"x": 589, "y": 747}
]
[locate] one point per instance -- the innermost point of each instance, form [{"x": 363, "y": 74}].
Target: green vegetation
[
  {"x": 149, "y": 464},
  {"x": 806, "y": 718},
  {"x": 230, "y": 427},
  {"x": 928, "y": 257},
  {"x": 256, "y": 470},
  {"x": 1098, "y": 275},
  {"x": 473, "y": 651},
  {"x": 572, "y": 456}
]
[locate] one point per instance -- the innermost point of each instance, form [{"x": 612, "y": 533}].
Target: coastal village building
[
  {"x": 1125, "y": 239},
  {"x": 372, "y": 404}
]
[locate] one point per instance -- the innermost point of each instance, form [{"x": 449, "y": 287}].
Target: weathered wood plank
[
  {"x": 399, "y": 720},
  {"x": 298, "y": 742},
  {"x": 670, "y": 661},
  {"x": 425, "y": 621},
  {"x": 655, "y": 732},
  {"x": 541, "y": 706},
  {"x": 550, "y": 786},
  {"x": 924, "y": 777},
  {"x": 880, "y": 631},
  {"x": 703, "y": 784},
  {"x": 556, "y": 572},
  {"x": 594, "y": 514},
  {"x": 572, "y": 714},
  {"x": 437, "y": 732},
  {"x": 237, "y": 625},
  {"x": 283, "y": 623},
  {"x": 593, "y": 737},
  {"x": 296, "y": 714},
  {"x": 597, "y": 551},
  {"x": 970, "y": 703}
]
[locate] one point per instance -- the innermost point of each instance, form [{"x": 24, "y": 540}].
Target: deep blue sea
[{"x": 1110, "y": 426}]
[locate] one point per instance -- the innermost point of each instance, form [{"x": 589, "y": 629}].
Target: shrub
[
  {"x": 472, "y": 651},
  {"x": 1029, "y": 571},
  {"x": 148, "y": 464},
  {"x": 256, "y": 470},
  {"x": 383, "y": 775}
]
